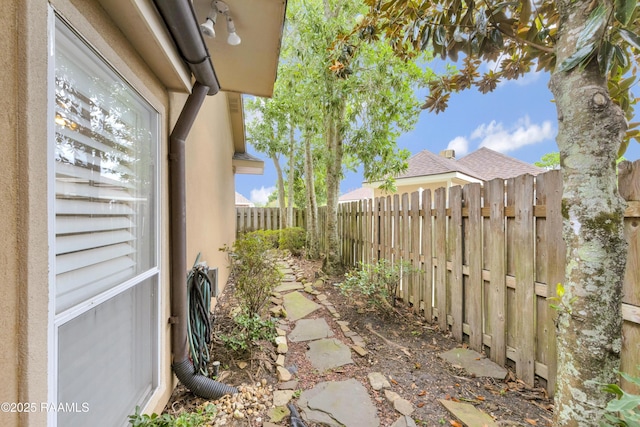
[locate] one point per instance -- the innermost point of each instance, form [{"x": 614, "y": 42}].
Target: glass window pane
[
  {"x": 105, "y": 156},
  {"x": 105, "y": 359}
]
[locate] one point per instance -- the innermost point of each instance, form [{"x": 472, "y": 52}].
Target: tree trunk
[
  {"x": 333, "y": 138},
  {"x": 590, "y": 131},
  {"x": 312, "y": 208},
  {"x": 290, "y": 175},
  {"x": 280, "y": 183}
]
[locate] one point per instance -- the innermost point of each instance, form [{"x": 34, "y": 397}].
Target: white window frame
[{"x": 55, "y": 321}]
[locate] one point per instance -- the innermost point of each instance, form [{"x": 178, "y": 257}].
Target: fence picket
[
  {"x": 473, "y": 290},
  {"x": 440, "y": 239},
  {"x": 415, "y": 286},
  {"x": 525, "y": 286},
  {"x": 455, "y": 248},
  {"x": 427, "y": 254},
  {"x": 497, "y": 305}
]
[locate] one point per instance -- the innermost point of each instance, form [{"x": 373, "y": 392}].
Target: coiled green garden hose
[{"x": 199, "y": 322}]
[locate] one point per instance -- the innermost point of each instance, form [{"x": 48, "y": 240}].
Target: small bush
[
  {"x": 249, "y": 329},
  {"x": 253, "y": 266},
  {"x": 378, "y": 283},
  {"x": 271, "y": 236},
  {"x": 203, "y": 416},
  {"x": 293, "y": 239}
]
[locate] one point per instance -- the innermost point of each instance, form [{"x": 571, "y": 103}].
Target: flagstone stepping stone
[
  {"x": 404, "y": 421},
  {"x": 328, "y": 353},
  {"x": 289, "y": 286},
  {"x": 289, "y": 278},
  {"x": 335, "y": 403},
  {"x": 378, "y": 381},
  {"x": 310, "y": 329},
  {"x": 282, "y": 397},
  {"x": 468, "y": 414},
  {"x": 298, "y": 306},
  {"x": 403, "y": 406},
  {"x": 474, "y": 363}
]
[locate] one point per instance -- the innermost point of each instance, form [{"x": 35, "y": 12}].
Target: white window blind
[{"x": 104, "y": 168}]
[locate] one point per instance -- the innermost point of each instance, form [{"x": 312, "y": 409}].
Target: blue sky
[{"x": 518, "y": 119}]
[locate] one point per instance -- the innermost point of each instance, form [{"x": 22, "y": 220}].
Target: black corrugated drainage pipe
[{"x": 182, "y": 23}]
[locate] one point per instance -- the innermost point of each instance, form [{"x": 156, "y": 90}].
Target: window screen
[{"x": 106, "y": 270}]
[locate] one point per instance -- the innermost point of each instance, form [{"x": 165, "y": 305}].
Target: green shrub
[
  {"x": 624, "y": 409},
  {"x": 249, "y": 329},
  {"x": 203, "y": 416},
  {"x": 378, "y": 283},
  {"x": 293, "y": 239},
  {"x": 271, "y": 236},
  {"x": 253, "y": 266}
]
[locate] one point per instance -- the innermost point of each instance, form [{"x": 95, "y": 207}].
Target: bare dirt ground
[{"x": 403, "y": 347}]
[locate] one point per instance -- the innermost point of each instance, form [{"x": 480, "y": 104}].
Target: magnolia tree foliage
[
  {"x": 591, "y": 50},
  {"x": 515, "y": 37}
]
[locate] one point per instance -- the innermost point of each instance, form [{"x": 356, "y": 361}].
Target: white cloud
[
  {"x": 460, "y": 144},
  {"x": 496, "y": 137},
  {"x": 261, "y": 195}
]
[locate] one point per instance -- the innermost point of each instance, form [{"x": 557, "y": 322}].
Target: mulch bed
[{"x": 403, "y": 347}]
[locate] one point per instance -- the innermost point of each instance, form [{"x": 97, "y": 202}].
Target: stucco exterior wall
[
  {"x": 210, "y": 186},
  {"x": 9, "y": 207},
  {"x": 24, "y": 213},
  {"x": 23, "y": 218}
]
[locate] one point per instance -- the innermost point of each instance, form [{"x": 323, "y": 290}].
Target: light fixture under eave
[
  {"x": 233, "y": 39},
  {"x": 207, "y": 28}
]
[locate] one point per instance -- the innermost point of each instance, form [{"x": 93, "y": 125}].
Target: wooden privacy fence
[
  {"x": 251, "y": 219},
  {"x": 487, "y": 259}
]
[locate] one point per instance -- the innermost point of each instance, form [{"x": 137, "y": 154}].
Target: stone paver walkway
[
  {"x": 329, "y": 403},
  {"x": 334, "y": 403}
]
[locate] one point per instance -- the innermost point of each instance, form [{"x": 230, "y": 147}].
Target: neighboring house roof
[
  {"x": 426, "y": 163},
  {"x": 358, "y": 194},
  {"x": 243, "y": 201},
  {"x": 491, "y": 164}
]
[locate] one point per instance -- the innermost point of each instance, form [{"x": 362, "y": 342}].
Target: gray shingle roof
[
  {"x": 491, "y": 164},
  {"x": 427, "y": 163},
  {"x": 358, "y": 194}
]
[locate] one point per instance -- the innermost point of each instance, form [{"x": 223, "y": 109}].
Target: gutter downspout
[{"x": 181, "y": 21}]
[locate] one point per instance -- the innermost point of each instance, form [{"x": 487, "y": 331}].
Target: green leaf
[
  {"x": 439, "y": 35},
  {"x": 625, "y": 403},
  {"x": 630, "y": 37},
  {"x": 605, "y": 57},
  {"x": 592, "y": 30},
  {"x": 631, "y": 379},
  {"x": 621, "y": 57},
  {"x": 613, "y": 389},
  {"x": 577, "y": 58},
  {"x": 624, "y": 10}
]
